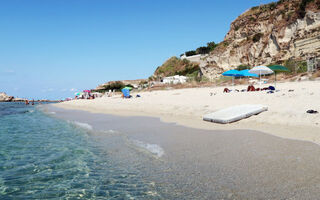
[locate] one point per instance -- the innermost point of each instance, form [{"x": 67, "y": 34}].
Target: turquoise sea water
[{"x": 42, "y": 157}]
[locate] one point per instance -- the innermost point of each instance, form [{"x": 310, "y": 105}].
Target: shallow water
[{"x": 42, "y": 157}]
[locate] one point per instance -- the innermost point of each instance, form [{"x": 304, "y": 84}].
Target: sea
[
  {"x": 43, "y": 157},
  {"x": 52, "y": 153}
]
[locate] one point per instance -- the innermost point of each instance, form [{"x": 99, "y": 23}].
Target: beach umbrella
[
  {"x": 126, "y": 92},
  {"x": 261, "y": 70},
  {"x": 88, "y": 91},
  {"x": 77, "y": 93},
  {"x": 127, "y": 87},
  {"x": 233, "y": 73},
  {"x": 276, "y": 69},
  {"x": 279, "y": 68},
  {"x": 246, "y": 73}
]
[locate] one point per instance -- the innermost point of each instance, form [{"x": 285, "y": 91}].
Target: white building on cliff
[{"x": 174, "y": 79}]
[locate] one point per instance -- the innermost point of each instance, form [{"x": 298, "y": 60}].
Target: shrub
[
  {"x": 193, "y": 76},
  {"x": 302, "y": 67},
  {"x": 211, "y": 45},
  {"x": 291, "y": 65},
  {"x": 255, "y": 8},
  {"x": 185, "y": 61},
  {"x": 272, "y": 5},
  {"x": 191, "y": 53},
  {"x": 296, "y": 66},
  {"x": 202, "y": 50},
  {"x": 189, "y": 69}
]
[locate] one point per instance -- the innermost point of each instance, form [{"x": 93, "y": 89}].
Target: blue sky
[{"x": 53, "y": 48}]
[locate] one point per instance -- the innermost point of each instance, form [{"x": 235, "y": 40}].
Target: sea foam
[
  {"x": 152, "y": 148},
  {"x": 83, "y": 125}
]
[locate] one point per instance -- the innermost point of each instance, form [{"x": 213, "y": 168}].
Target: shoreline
[
  {"x": 182, "y": 161},
  {"x": 286, "y": 117}
]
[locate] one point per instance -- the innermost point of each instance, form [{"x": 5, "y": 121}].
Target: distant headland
[{"x": 6, "y": 98}]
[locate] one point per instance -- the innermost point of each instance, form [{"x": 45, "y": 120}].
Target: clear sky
[{"x": 53, "y": 48}]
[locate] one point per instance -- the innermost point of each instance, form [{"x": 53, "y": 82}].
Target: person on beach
[
  {"x": 226, "y": 90},
  {"x": 251, "y": 88}
]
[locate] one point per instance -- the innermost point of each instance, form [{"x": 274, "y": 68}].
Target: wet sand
[{"x": 211, "y": 164}]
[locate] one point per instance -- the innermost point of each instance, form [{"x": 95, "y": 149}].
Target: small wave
[
  {"x": 52, "y": 113},
  {"x": 83, "y": 125},
  {"x": 152, "y": 148}
]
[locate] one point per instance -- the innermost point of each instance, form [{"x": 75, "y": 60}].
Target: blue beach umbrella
[
  {"x": 126, "y": 92},
  {"x": 233, "y": 73},
  {"x": 248, "y": 74}
]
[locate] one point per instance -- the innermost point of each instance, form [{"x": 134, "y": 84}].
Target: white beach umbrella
[{"x": 261, "y": 70}]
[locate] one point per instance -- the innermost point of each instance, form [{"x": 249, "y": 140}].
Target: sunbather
[
  {"x": 226, "y": 90},
  {"x": 251, "y": 88}
]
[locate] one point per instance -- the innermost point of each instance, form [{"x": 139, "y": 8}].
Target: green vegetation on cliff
[
  {"x": 202, "y": 50},
  {"x": 175, "y": 66}
]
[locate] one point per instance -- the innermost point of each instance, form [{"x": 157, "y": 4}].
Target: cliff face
[{"x": 268, "y": 34}]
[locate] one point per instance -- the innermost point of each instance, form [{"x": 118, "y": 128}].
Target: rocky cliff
[
  {"x": 4, "y": 97},
  {"x": 272, "y": 33}
]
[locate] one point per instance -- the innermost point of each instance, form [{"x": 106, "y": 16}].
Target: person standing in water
[{"x": 27, "y": 102}]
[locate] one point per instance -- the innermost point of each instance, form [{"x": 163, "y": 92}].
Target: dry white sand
[{"x": 286, "y": 116}]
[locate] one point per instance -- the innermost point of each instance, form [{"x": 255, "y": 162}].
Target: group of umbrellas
[
  {"x": 82, "y": 93},
  {"x": 256, "y": 71}
]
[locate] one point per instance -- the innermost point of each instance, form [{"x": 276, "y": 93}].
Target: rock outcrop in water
[
  {"x": 272, "y": 33},
  {"x": 5, "y": 98}
]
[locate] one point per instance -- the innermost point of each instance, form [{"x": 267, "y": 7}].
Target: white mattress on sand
[{"x": 234, "y": 113}]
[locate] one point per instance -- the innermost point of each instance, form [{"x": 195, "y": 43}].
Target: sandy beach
[{"x": 286, "y": 116}]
